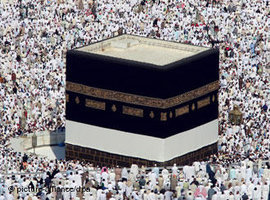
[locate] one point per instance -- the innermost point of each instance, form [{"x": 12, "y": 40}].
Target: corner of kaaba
[{"x": 131, "y": 99}]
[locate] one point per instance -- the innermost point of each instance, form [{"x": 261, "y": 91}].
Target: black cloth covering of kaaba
[{"x": 147, "y": 80}]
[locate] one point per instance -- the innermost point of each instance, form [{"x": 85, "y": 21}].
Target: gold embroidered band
[
  {"x": 95, "y": 104},
  {"x": 163, "y": 116},
  {"x": 204, "y": 102},
  {"x": 142, "y": 100},
  {"x": 181, "y": 111},
  {"x": 132, "y": 111}
]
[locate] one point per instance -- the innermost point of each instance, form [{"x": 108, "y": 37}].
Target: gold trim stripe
[
  {"x": 67, "y": 97},
  {"x": 204, "y": 102},
  {"x": 142, "y": 100},
  {"x": 95, "y": 104},
  {"x": 181, "y": 111},
  {"x": 163, "y": 116},
  {"x": 132, "y": 111}
]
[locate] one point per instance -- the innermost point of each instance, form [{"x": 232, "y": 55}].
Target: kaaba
[{"x": 131, "y": 99}]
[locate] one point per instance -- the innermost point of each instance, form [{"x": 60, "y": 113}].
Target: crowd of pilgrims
[{"x": 34, "y": 37}]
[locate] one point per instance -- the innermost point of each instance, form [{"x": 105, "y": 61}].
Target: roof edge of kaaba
[
  {"x": 145, "y": 64},
  {"x": 139, "y": 36},
  {"x": 199, "y": 55}
]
